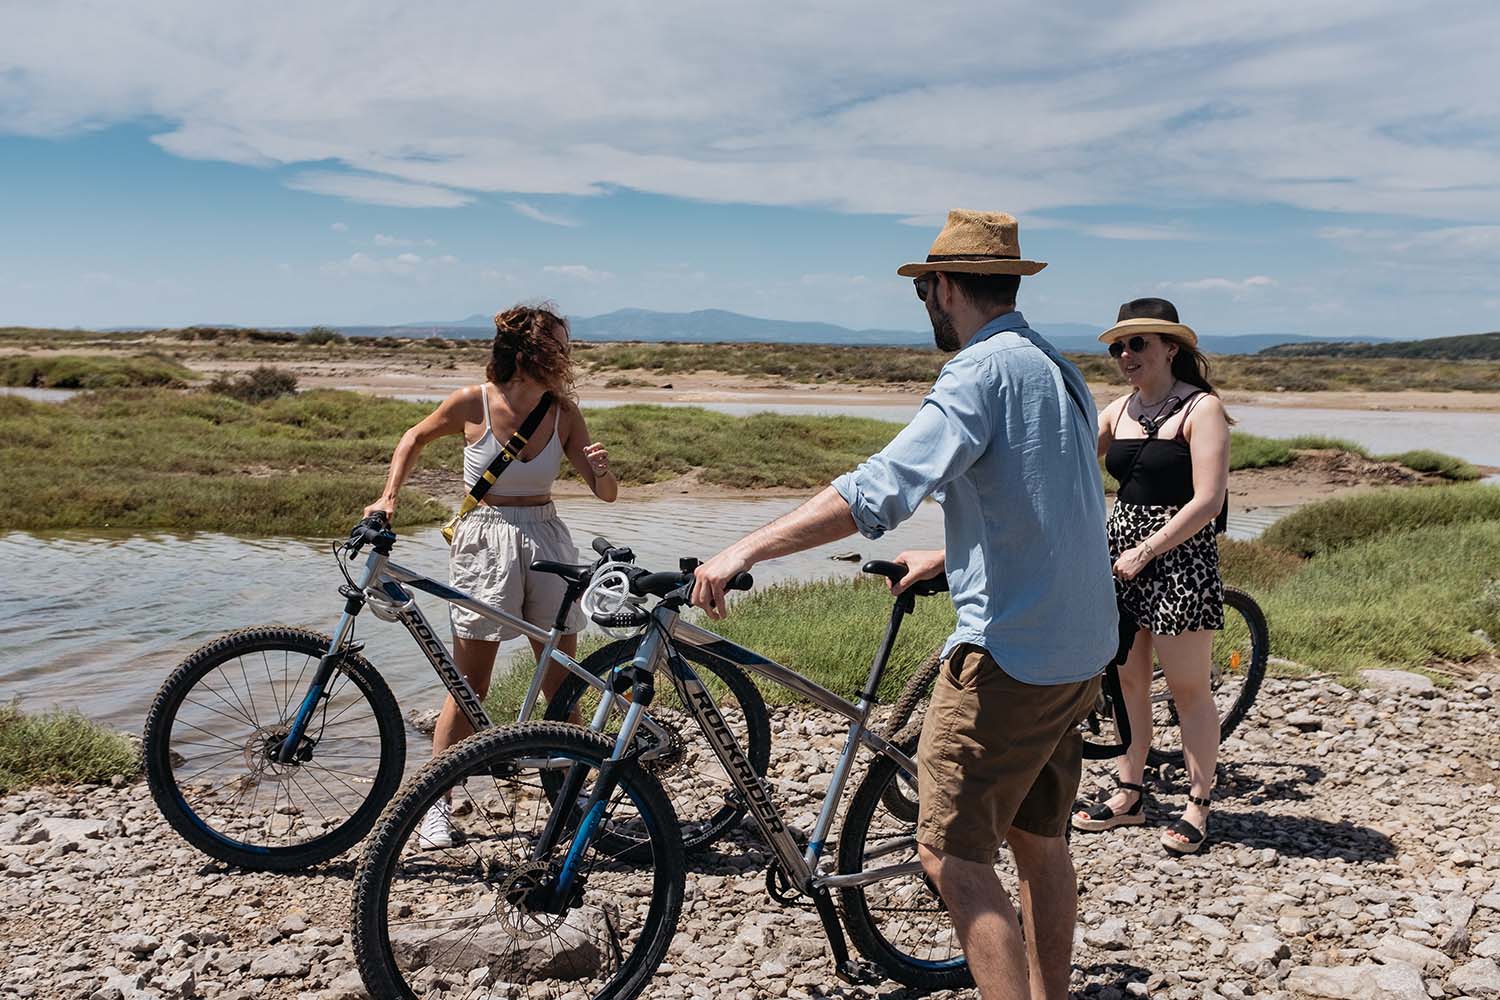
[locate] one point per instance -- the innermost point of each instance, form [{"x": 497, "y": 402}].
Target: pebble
[{"x": 1345, "y": 859}]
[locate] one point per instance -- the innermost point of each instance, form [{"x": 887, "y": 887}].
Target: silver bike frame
[
  {"x": 667, "y": 627},
  {"x": 379, "y": 572}
]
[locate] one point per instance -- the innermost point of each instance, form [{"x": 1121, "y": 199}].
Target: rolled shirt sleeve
[{"x": 951, "y": 429}]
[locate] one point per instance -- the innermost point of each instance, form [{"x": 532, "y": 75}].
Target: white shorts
[{"x": 490, "y": 560}]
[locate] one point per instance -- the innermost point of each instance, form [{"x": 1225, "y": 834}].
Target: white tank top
[{"x": 521, "y": 478}]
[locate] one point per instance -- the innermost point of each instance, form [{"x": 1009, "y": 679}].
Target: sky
[{"x": 1328, "y": 168}]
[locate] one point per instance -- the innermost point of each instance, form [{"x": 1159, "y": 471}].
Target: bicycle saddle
[
  {"x": 569, "y": 572},
  {"x": 894, "y": 571}
]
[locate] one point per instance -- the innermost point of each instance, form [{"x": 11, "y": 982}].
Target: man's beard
[{"x": 942, "y": 328}]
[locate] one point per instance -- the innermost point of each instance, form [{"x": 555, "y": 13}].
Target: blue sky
[{"x": 1330, "y": 169}]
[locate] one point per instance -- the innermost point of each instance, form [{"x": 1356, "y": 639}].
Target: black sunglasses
[
  {"x": 1137, "y": 344},
  {"x": 924, "y": 285}
]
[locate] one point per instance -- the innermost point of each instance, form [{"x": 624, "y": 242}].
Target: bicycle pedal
[{"x": 857, "y": 973}]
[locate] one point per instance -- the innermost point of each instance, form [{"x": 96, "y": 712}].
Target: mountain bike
[
  {"x": 568, "y": 878},
  {"x": 275, "y": 748},
  {"x": 1238, "y": 666}
]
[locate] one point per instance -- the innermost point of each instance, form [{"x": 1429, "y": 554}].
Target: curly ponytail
[{"x": 525, "y": 345}]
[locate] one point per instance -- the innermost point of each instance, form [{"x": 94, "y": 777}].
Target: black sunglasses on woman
[{"x": 1137, "y": 344}]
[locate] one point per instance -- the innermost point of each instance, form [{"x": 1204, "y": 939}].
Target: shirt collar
[{"x": 1012, "y": 320}]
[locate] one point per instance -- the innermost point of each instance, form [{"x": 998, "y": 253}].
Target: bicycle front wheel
[
  {"x": 485, "y": 917},
  {"x": 210, "y": 751},
  {"x": 1237, "y": 668},
  {"x": 707, "y": 801}
]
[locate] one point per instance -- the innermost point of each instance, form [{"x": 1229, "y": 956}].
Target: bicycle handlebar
[{"x": 374, "y": 529}]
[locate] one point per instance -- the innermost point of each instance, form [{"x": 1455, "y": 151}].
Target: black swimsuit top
[{"x": 1153, "y": 471}]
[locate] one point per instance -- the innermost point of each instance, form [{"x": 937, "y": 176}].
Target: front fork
[
  {"x": 642, "y": 691},
  {"x": 354, "y": 602}
]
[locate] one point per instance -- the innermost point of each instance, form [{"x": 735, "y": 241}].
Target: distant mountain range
[
  {"x": 718, "y": 326},
  {"x": 712, "y": 326}
]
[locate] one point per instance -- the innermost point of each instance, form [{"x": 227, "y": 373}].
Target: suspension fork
[
  {"x": 643, "y": 690},
  {"x": 354, "y": 602}
]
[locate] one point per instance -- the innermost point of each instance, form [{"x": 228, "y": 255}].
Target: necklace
[{"x": 1152, "y": 423}]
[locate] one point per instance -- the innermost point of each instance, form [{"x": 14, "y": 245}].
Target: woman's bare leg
[
  {"x": 1135, "y": 684},
  {"x": 1186, "y": 662},
  {"x": 475, "y": 659}
]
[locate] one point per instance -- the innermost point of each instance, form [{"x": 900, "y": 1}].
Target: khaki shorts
[
  {"x": 997, "y": 753},
  {"x": 490, "y": 559}
]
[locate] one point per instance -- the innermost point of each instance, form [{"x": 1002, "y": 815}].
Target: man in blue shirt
[{"x": 1006, "y": 443}]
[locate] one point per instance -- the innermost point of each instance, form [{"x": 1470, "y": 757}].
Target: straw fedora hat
[
  {"x": 1149, "y": 316},
  {"x": 975, "y": 243}
]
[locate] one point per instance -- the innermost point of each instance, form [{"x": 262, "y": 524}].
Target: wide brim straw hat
[
  {"x": 975, "y": 243},
  {"x": 1149, "y": 316}
]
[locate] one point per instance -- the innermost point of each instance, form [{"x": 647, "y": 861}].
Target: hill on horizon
[
  {"x": 711, "y": 326},
  {"x": 1467, "y": 347}
]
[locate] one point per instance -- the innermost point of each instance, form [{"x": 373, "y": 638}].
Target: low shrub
[
  {"x": 1255, "y": 566},
  {"x": 256, "y": 386},
  {"x": 1334, "y": 524},
  {"x": 70, "y": 371},
  {"x": 322, "y": 335},
  {"x": 59, "y": 748}
]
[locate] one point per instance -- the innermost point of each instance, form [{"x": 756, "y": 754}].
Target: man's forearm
[{"x": 823, "y": 519}]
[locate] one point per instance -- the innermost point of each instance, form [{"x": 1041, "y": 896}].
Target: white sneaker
[{"x": 437, "y": 826}]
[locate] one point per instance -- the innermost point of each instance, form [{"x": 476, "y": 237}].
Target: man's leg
[
  {"x": 1049, "y": 908},
  {"x": 985, "y": 922}
]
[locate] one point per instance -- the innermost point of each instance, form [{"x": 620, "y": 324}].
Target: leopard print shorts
[{"x": 1178, "y": 591}]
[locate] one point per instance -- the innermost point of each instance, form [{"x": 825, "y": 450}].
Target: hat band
[{"x": 937, "y": 258}]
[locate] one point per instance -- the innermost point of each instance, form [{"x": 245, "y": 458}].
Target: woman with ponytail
[
  {"x": 1167, "y": 444},
  {"x": 516, "y": 524}
]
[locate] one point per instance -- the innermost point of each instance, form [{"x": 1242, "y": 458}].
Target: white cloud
[
  {"x": 384, "y": 240},
  {"x": 1237, "y": 288},
  {"x": 532, "y": 212},
  {"x": 361, "y": 263},
  {"x": 378, "y": 190},
  {"x": 837, "y": 281},
  {"x": 870, "y": 107},
  {"x": 579, "y": 272},
  {"x": 340, "y": 227}
]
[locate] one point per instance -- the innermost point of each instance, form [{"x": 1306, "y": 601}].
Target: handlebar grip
[
  {"x": 602, "y": 546},
  {"x": 742, "y": 582}
]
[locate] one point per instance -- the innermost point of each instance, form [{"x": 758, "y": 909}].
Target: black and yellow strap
[{"x": 509, "y": 452}]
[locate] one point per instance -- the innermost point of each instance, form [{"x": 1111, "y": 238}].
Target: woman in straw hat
[{"x": 1167, "y": 444}]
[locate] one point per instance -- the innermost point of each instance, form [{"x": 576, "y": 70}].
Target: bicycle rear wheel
[
  {"x": 209, "y": 747},
  {"x": 707, "y": 802},
  {"x": 477, "y": 919},
  {"x": 899, "y": 923},
  {"x": 1238, "y": 668}
]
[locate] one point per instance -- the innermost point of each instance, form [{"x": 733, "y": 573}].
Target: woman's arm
[
  {"x": 590, "y": 459},
  {"x": 1107, "y": 424},
  {"x": 448, "y": 418},
  {"x": 1207, "y": 431}
]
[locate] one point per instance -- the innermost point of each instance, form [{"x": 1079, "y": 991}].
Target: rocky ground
[{"x": 1355, "y": 853}]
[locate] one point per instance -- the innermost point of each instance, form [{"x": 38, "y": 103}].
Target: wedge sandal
[{"x": 1102, "y": 817}]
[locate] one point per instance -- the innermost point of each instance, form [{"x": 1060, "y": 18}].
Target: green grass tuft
[
  {"x": 69, "y": 371},
  {"x": 1426, "y": 460},
  {"x": 1255, "y": 566},
  {"x": 1334, "y": 524},
  {"x": 59, "y": 748},
  {"x": 1401, "y": 600}
]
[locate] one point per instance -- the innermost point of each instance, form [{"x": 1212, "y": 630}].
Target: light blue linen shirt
[{"x": 1013, "y": 462}]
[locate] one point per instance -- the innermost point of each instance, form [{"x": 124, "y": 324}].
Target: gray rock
[
  {"x": 348, "y": 986},
  {"x": 1259, "y": 957},
  {"x": 1207, "y": 926},
  {"x": 1488, "y": 948},
  {"x": 1358, "y": 982},
  {"x": 1479, "y": 978},
  {"x": 1305, "y": 721},
  {"x": 181, "y": 985},
  {"x": 279, "y": 963},
  {"x": 1400, "y": 681},
  {"x": 1110, "y": 935},
  {"x": 1395, "y": 948}
]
